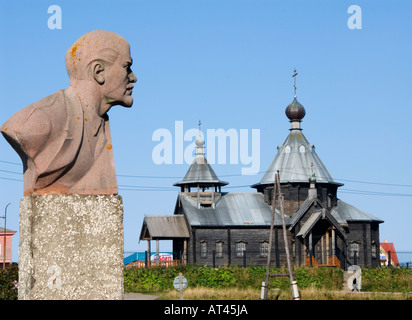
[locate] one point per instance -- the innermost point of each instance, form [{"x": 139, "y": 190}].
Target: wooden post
[
  {"x": 181, "y": 285},
  {"x": 194, "y": 245},
  {"x": 149, "y": 252},
  {"x": 229, "y": 251},
  {"x": 322, "y": 247},
  {"x": 389, "y": 259},
  {"x": 333, "y": 246},
  {"x": 265, "y": 284},
  {"x": 293, "y": 284},
  {"x": 157, "y": 252},
  {"x": 327, "y": 247},
  {"x": 185, "y": 251},
  {"x": 277, "y": 248},
  {"x": 310, "y": 248},
  {"x": 214, "y": 258}
]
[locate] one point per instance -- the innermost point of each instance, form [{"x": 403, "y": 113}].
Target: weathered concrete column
[{"x": 71, "y": 247}]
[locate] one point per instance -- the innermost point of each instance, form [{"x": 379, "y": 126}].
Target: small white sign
[{"x": 176, "y": 283}]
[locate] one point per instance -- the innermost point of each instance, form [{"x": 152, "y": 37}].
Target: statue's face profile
[
  {"x": 119, "y": 79},
  {"x": 103, "y": 59}
]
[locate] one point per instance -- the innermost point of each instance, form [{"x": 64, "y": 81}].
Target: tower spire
[
  {"x": 295, "y": 111},
  {"x": 200, "y": 143}
]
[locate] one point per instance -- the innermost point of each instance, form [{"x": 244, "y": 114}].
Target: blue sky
[{"x": 229, "y": 64}]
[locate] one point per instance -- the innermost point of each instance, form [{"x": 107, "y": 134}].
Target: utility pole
[
  {"x": 265, "y": 285},
  {"x": 293, "y": 284},
  {"x": 4, "y": 238}
]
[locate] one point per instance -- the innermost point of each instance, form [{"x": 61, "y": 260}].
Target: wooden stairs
[{"x": 333, "y": 261}]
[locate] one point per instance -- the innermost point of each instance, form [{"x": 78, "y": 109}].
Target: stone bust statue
[{"x": 64, "y": 139}]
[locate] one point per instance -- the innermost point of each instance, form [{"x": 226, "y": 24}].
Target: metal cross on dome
[{"x": 294, "y": 76}]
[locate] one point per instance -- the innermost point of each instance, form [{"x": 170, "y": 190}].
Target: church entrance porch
[{"x": 322, "y": 245}]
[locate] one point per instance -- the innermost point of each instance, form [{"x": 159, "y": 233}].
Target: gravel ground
[{"x": 138, "y": 296}]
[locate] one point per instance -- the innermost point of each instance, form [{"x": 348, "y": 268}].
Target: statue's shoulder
[
  {"x": 50, "y": 106},
  {"x": 38, "y": 117}
]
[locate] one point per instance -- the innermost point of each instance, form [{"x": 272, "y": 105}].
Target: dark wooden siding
[{"x": 230, "y": 237}]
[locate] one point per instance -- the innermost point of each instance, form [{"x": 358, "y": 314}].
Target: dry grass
[{"x": 200, "y": 293}]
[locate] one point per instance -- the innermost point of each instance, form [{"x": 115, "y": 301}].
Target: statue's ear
[{"x": 98, "y": 72}]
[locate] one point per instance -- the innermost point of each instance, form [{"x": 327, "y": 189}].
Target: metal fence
[{"x": 405, "y": 258}]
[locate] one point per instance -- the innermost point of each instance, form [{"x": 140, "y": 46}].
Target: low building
[
  {"x": 388, "y": 256},
  {"x": 6, "y": 241}
]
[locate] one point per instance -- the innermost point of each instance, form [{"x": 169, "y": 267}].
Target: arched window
[
  {"x": 330, "y": 200},
  {"x": 240, "y": 247},
  {"x": 354, "y": 249},
  {"x": 219, "y": 249},
  {"x": 263, "y": 248},
  {"x": 302, "y": 149},
  {"x": 287, "y": 149},
  {"x": 374, "y": 249},
  {"x": 203, "y": 249}
]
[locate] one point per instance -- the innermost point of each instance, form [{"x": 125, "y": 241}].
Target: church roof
[
  {"x": 164, "y": 227},
  {"x": 345, "y": 212},
  {"x": 232, "y": 209},
  {"x": 296, "y": 161},
  {"x": 200, "y": 172}
]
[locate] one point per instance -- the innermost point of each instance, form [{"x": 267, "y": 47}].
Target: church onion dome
[
  {"x": 200, "y": 142},
  {"x": 312, "y": 178},
  {"x": 295, "y": 111}
]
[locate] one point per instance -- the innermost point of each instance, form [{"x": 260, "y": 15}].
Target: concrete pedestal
[{"x": 71, "y": 247}]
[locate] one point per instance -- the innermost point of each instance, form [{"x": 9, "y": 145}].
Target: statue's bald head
[{"x": 97, "y": 45}]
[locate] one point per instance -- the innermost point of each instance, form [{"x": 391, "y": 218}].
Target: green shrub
[
  {"x": 387, "y": 279},
  {"x": 8, "y": 283},
  {"x": 155, "y": 279},
  {"x": 159, "y": 279}
]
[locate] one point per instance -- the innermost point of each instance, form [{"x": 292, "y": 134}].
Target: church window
[
  {"x": 240, "y": 248},
  {"x": 329, "y": 201},
  {"x": 264, "y": 248},
  {"x": 354, "y": 250},
  {"x": 302, "y": 149},
  {"x": 287, "y": 149},
  {"x": 219, "y": 249},
  {"x": 374, "y": 250},
  {"x": 203, "y": 249}
]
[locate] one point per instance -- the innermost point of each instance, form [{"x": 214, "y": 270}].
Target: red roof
[{"x": 388, "y": 246}]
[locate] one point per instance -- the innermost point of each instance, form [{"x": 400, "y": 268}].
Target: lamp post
[{"x": 4, "y": 237}]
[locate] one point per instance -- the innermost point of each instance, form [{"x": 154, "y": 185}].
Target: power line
[
  {"x": 11, "y": 179},
  {"x": 375, "y": 193},
  {"x": 13, "y": 172},
  {"x": 173, "y": 189},
  {"x": 378, "y": 183},
  {"x": 167, "y": 188},
  {"x": 8, "y": 162},
  {"x": 227, "y": 175}
]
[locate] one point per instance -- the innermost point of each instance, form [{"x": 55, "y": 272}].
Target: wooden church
[{"x": 213, "y": 227}]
